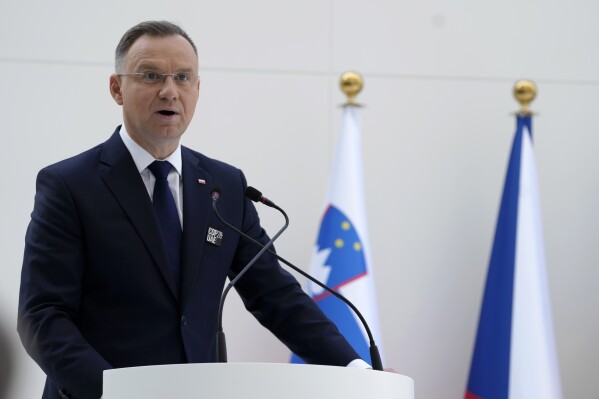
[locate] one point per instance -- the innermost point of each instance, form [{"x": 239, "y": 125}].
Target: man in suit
[{"x": 109, "y": 281}]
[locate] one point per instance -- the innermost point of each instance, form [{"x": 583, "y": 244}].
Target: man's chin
[{"x": 168, "y": 132}]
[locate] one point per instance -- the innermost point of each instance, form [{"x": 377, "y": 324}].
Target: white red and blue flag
[
  {"x": 514, "y": 355},
  {"x": 341, "y": 253}
]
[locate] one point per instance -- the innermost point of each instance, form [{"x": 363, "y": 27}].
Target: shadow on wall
[{"x": 6, "y": 362}]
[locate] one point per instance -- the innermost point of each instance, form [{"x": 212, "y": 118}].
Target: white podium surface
[{"x": 253, "y": 380}]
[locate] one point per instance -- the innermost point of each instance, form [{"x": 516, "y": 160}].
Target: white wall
[{"x": 437, "y": 132}]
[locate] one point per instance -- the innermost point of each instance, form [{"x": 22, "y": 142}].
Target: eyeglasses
[{"x": 181, "y": 79}]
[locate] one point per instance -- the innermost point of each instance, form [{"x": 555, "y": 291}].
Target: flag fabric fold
[
  {"x": 341, "y": 253},
  {"x": 514, "y": 355}
]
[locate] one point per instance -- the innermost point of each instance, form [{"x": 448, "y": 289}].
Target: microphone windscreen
[
  {"x": 253, "y": 194},
  {"x": 216, "y": 191}
]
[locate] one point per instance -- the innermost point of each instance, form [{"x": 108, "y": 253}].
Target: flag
[
  {"x": 341, "y": 253},
  {"x": 514, "y": 355}
]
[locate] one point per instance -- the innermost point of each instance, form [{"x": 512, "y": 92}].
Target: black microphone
[
  {"x": 256, "y": 196},
  {"x": 221, "y": 344}
]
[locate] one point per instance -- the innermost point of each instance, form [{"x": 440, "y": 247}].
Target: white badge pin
[{"x": 214, "y": 237}]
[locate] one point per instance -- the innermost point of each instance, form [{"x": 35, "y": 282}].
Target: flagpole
[{"x": 351, "y": 83}]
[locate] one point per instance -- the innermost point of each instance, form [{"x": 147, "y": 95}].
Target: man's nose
[{"x": 169, "y": 90}]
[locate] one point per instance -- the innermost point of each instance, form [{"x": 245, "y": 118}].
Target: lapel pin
[
  {"x": 214, "y": 237},
  {"x": 201, "y": 181}
]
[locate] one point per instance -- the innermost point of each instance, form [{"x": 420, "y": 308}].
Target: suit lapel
[
  {"x": 124, "y": 181},
  {"x": 197, "y": 207}
]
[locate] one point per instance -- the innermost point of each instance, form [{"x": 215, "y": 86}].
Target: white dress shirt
[{"x": 143, "y": 159}]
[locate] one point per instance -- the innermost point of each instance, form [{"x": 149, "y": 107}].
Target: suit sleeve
[
  {"x": 276, "y": 299},
  {"x": 50, "y": 294}
]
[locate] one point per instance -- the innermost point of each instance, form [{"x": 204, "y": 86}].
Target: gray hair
[{"x": 150, "y": 28}]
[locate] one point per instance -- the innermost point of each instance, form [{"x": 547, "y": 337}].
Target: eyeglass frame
[{"x": 174, "y": 75}]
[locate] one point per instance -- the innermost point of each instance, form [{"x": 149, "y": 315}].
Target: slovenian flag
[
  {"x": 341, "y": 257},
  {"x": 514, "y": 355}
]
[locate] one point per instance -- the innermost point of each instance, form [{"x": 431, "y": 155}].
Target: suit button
[{"x": 183, "y": 320}]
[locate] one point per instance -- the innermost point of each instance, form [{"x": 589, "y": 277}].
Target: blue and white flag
[
  {"x": 341, "y": 255},
  {"x": 514, "y": 355}
]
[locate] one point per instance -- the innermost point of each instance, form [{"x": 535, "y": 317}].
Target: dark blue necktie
[{"x": 168, "y": 217}]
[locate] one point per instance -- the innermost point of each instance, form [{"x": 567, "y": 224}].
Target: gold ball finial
[
  {"x": 351, "y": 83},
  {"x": 524, "y": 92}
]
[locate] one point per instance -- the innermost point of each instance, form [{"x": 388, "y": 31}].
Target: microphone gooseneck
[
  {"x": 221, "y": 342},
  {"x": 221, "y": 346},
  {"x": 256, "y": 196}
]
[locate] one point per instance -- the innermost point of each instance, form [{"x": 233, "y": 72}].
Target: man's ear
[{"x": 115, "y": 89}]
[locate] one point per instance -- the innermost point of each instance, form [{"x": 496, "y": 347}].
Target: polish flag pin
[{"x": 201, "y": 181}]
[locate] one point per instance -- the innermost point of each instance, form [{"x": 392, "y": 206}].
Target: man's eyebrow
[
  {"x": 153, "y": 67},
  {"x": 185, "y": 69}
]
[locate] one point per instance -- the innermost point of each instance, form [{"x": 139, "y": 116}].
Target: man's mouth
[{"x": 167, "y": 113}]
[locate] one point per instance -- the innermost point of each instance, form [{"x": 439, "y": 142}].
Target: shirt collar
[{"x": 143, "y": 159}]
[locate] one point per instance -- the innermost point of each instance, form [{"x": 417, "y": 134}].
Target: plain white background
[{"x": 437, "y": 130}]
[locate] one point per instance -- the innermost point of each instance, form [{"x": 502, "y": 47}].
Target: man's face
[{"x": 156, "y": 115}]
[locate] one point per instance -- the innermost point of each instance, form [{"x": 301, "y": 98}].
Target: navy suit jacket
[{"x": 96, "y": 291}]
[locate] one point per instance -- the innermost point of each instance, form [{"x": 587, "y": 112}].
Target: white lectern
[{"x": 253, "y": 380}]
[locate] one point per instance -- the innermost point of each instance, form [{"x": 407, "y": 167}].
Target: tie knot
[{"x": 160, "y": 169}]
